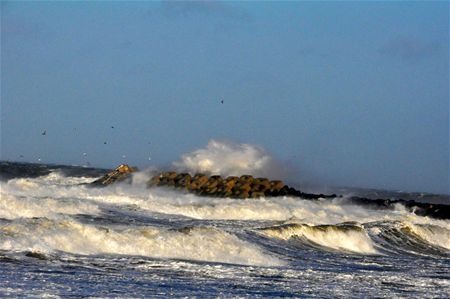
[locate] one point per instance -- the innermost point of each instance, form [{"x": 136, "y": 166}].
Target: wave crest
[
  {"x": 201, "y": 244},
  {"x": 345, "y": 237}
]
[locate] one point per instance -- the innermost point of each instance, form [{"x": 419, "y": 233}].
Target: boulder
[
  {"x": 198, "y": 181},
  {"x": 183, "y": 180}
]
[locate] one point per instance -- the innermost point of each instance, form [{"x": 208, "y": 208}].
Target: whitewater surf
[{"x": 59, "y": 236}]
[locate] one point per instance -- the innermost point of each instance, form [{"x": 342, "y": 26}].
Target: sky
[{"x": 342, "y": 93}]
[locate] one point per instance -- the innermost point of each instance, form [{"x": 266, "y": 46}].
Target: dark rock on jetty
[{"x": 119, "y": 174}]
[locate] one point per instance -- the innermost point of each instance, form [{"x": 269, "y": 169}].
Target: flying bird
[{"x": 44, "y": 132}]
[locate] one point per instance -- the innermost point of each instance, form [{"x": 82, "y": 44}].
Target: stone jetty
[{"x": 246, "y": 186}]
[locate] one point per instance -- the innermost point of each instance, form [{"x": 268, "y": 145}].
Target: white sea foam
[
  {"x": 202, "y": 244},
  {"x": 47, "y": 196},
  {"x": 168, "y": 201},
  {"x": 53, "y": 178},
  {"x": 53, "y": 185},
  {"x": 353, "y": 239},
  {"x": 12, "y": 207},
  {"x": 54, "y": 196},
  {"x": 38, "y": 192},
  {"x": 227, "y": 158}
]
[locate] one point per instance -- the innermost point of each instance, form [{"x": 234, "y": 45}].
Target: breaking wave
[
  {"x": 202, "y": 244},
  {"x": 346, "y": 237},
  {"x": 382, "y": 237},
  {"x": 433, "y": 234},
  {"x": 414, "y": 238}
]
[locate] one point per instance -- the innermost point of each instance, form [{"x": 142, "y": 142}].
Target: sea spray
[{"x": 228, "y": 158}]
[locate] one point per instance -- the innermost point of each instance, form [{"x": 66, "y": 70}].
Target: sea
[{"x": 61, "y": 238}]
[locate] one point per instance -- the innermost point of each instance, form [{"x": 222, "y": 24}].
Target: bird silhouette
[{"x": 45, "y": 132}]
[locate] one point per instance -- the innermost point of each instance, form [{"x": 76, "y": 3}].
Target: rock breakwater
[{"x": 246, "y": 186}]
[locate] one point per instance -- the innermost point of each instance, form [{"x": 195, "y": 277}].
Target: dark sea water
[{"x": 62, "y": 238}]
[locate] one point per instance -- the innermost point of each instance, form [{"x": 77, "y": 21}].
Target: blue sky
[{"x": 345, "y": 93}]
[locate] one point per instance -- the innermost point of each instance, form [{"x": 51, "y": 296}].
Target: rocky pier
[{"x": 246, "y": 186}]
